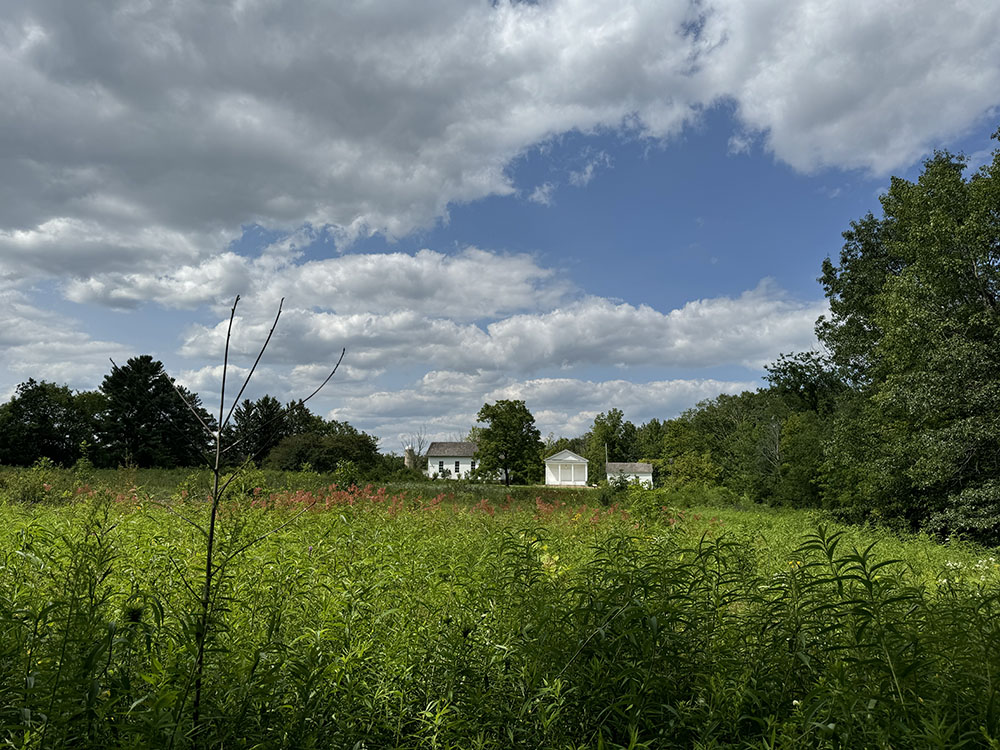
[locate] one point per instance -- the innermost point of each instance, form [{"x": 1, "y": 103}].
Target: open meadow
[{"x": 440, "y": 615}]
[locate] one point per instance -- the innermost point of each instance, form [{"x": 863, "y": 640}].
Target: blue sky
[{"x": 582, "y": 203}]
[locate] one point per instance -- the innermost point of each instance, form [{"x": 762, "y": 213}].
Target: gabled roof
[
  {"x": 565, "y": 457},
  {"x": 617, "y": 468},
  {"x": 455, "y": 450}
]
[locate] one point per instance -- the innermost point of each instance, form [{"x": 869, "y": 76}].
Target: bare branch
[
  {"x": 222, "y": 393},
  {"x": 332, "y": 372},
  {"x": 260, "y": 354},
  {"x": 191, "y": 408}
]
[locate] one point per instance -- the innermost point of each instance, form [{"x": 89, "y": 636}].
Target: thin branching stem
[
  {"x": 206, "y": 597},
  {"x": 183, "y": 578},
  {"x": 250, "y": 459},
  {"x": 332, "y": 373},
  {"x": 246, "y": 381},
  {"x": 212, "y": 570},
  {"x": 191, "y": 408}
]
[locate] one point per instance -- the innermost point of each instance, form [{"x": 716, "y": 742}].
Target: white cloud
[
  {"x": 853, "y": 84},
  {"x": 749, "y": 330},
  {"x": 542, "y": 194},
  {"x": 139, "y": 137},
  {"x": 446, "y": 403},
  {"x": 469, "y": 285},
  {"x": 39, "y": 344},
  {"x": 583, "y": 176}
]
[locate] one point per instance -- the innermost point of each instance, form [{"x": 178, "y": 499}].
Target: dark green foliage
[
  {"x": 145, "y": 422},
  {"x": 325, "y": 449},
  {"x": 806, "y": 382},
  {"x": 649, "y": 440},
  {"x": 801, "y": 458},
  {"x": 256, "y": 428},
  {"x": 553, "y": 445},
  {"x": 612, "y": 438},
  {"x": 733, "y": 439},
  {"x": 916, "y": 325},
  {"x": 510, "y": 445},
  {"x": 45, "y": 420}
]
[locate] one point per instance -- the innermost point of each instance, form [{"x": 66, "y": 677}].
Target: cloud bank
[{"x": 143, "y": 135}]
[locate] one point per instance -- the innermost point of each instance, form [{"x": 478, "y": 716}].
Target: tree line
[
  {"x": 136, "y": 418},
  {"x": 897, "y": 418}
]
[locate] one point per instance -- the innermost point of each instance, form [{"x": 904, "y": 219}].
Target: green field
[{"x": 438, "y": 616}]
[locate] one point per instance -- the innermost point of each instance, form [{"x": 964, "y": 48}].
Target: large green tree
[
  {"x": 611, "y": 438},
  {"x": 45, "y": 420},
  {"x": 256, "y": 428},
  {"x": 915, "y": 325},
  {"x": 145, "y": 422},
  {"x": 325, "y": 447},
  {"x": 509, "y": 444}
]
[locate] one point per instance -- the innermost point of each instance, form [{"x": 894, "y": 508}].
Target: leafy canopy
[
  {"x": 510, "y": 444},
  {"x": 915, "y": 325}
]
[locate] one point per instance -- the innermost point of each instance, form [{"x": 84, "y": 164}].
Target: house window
[
  {"x": 458, "y": 468},
  {"x": 441, "y": 468},
  {"x": 473, "y": 466}
]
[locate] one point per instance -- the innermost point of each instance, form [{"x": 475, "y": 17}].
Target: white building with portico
[{"x": 566, "y": 469}]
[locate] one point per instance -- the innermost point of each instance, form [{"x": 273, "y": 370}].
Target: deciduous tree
[
  {"x": 44, "y": 420},
  {"x": 915, "y": 322},
  {"x": 510, "y": 444}
]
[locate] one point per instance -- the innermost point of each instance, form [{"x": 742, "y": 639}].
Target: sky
[{"x": 585, "y": 204}]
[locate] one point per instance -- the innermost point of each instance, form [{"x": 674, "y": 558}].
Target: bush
[{"x": 32, "y": 485}]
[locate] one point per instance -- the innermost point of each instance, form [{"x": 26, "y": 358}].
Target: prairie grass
[{"x": 446, "y": 616}]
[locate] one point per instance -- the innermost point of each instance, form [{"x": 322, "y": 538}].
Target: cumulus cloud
[
  {"x": 40, "y": 344},
  {"x": 471, "y": 284},
  {"x": 139, "y": 136},
  {"x": 444, "y": 404},
  {"x": 853, "y": 84},
  {"x": 749, "y": 330}
]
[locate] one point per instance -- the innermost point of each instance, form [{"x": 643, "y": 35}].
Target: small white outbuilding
[
  {"x": 567, "y": 469},
  {"x": 631, "y": 472}
]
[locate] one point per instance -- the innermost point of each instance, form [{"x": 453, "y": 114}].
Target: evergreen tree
[
  {"x": 256, "y": 428},
  {"x": 145, "y": 422}
]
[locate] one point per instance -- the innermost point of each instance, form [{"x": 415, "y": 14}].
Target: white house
[
  {"x": 566, "y": 468},
  {"x": 458, "y": 459},
  {"x": 635, "y": 472}
]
